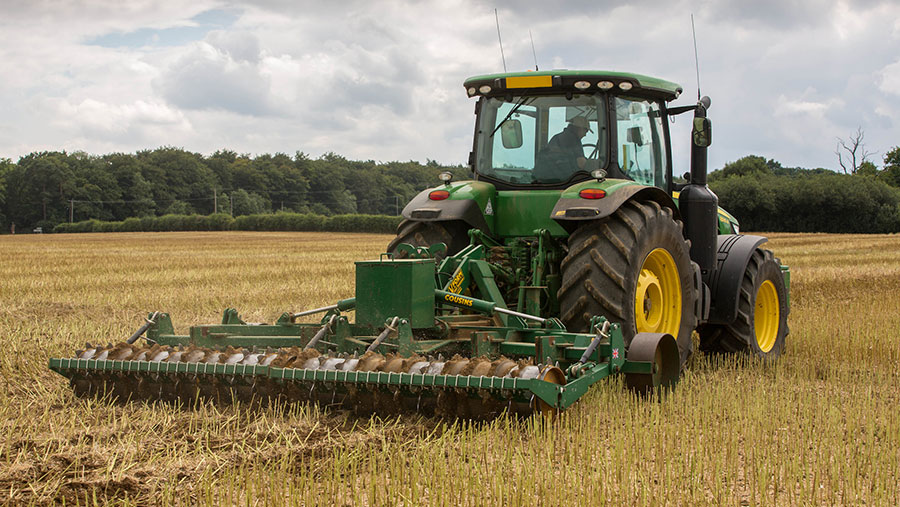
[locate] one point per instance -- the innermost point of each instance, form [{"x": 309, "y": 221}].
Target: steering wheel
[
  {"x": 595, "y": 153},
  {"x": 592, "y": 160}
]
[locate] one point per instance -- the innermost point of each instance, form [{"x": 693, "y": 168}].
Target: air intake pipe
[{"x": 698, "y": 204}]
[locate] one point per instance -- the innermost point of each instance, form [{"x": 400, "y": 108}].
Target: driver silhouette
[{"x": 564, "y": 154}]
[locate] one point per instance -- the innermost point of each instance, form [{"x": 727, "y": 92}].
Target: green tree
[
  {"x": 6, "y": 167},
  {"x": 288, "y": 186},
  {"x": 93, "y": 190},
  {"x": 178, "y": 208},
  {"x": 220, "y": 163},
  {"x": 326, "y": 177},
  {"x": 248, "y": 203},
  {"x": 39, "y": 187},
  {"x": 246, "y": 174},
  {"x": 891, "y": 172},
  {"x": 177, "y": 174},
  {"x": 751, "y": 164},
  {"x": 137, "y": 192},
  {"x": 866, "y": 168}
]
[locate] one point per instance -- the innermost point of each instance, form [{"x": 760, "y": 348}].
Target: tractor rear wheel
[
  {"x": 452, "y": 234},
  {"x": 633, "y": 268},
  {"x": 761, "y": 324}
]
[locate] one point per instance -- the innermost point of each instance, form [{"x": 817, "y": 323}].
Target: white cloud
[
  {"x": 890, "y": 78},
  {"x": 384, "y": 80},
  {"x": 787, "y": 107},
  {"x": 117, "y": 118},
  {"x": 209, "y": 77}
]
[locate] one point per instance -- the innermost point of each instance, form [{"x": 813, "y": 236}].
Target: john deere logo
[{"x": 456, "y": 283}]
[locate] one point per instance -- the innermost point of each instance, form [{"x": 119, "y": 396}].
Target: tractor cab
[{"x": 553, "y": 129}]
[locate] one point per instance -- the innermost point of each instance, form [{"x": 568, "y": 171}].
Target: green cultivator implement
[
  {"x": 417, "y": 343},
  {"x": 569, "y": 258}
]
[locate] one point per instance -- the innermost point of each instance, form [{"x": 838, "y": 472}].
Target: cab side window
[{"x": 641, "y": 149}]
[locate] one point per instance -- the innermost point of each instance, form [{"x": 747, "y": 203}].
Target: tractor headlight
[{"x": 446, "y": 177}]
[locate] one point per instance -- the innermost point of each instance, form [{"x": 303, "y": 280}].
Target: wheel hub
[
  {"x": 657, "y": 298},
  {"x": 650, "y": 292},
  {"x": 766, "y": 316}
]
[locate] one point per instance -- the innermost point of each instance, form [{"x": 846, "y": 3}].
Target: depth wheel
[
  {"x": 633, "y": 268},
  {"x": 661, "y": 351},
  {"x": 761, "y": 325},
  {"x": 452, "y": 234}
]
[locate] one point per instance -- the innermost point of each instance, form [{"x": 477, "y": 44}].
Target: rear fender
[
  {"x": 733, "y": 252},
  {"x": 469, "y": 201},
  {"x": 571, "y": 209}
]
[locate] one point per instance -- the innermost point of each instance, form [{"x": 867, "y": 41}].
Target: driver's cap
[{"x": 581, "y": 122}]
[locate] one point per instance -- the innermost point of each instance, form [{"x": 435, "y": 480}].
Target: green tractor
[
  {"x": 574, "y": 254},
  {"x": 584, "y": 159}
]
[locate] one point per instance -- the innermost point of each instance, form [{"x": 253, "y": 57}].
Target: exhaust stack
[{"x": 698, "y": 204}]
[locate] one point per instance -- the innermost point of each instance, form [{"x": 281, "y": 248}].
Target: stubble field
[{"x": 819, "y": 427}]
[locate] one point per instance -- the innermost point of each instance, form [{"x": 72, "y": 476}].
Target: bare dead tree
[{"x": 855, "y": 151}]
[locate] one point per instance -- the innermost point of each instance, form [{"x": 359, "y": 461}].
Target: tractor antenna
[
  {"x": 532, "y": 50},
  {"x": 696, "y": 58},
  {"x": 497, "y": 17}
]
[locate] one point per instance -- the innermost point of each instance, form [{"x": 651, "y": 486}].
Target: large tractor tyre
[
  {"x": 634, "y": 268},
  {"x": 452, "y": 234},
  {"x": 761, "y": 324}
]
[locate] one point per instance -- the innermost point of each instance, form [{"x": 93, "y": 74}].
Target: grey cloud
[
  {"x": 385, "y": 79},
  {"x": 241, "y": 46},
  {"x": 207, "y": 78},
  {"x": 780, "y": 14}
]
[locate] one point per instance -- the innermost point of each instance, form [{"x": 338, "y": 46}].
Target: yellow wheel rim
[
  {"x": 766, "y": 316},
  {"x": 657, "y": 299}
]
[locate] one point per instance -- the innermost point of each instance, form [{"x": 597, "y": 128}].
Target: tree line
[
  {"x": 764, "y": 196},
  {"x": 44, "y": 189}
]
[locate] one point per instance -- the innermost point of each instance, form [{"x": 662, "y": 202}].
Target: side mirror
[
  {"x": 702, "y": 132},
  {"x": 511, "y": 134},
  {"x": 634, "y": 136}
]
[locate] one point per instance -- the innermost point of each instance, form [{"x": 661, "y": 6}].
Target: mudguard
[
  {"x": 733, "y": 252},
  {"x": 468, "y": 201},
  {"x": 572, "y": 209}
]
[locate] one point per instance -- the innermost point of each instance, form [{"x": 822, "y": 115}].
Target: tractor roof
[{"x": 571, "y": 80}]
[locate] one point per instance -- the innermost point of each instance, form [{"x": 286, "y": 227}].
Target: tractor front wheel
[
  {"x": 633, "y": 268},
  {"x": 761, "y": 324}
]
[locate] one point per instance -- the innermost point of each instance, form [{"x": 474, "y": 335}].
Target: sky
[{"x": 382, "y": 80}]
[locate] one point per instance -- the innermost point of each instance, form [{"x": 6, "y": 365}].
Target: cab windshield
[{"x": 542, "y": 139}]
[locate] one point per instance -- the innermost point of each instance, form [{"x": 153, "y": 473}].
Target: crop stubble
[{"x": 820, "y": 427}]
